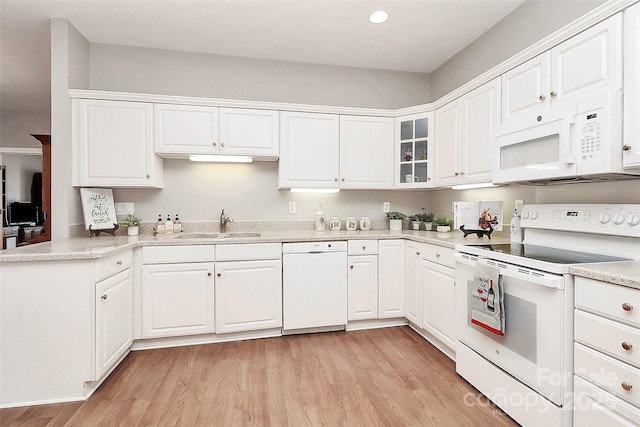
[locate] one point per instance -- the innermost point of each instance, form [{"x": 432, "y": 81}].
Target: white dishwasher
[{"x": 314, "y": 286}]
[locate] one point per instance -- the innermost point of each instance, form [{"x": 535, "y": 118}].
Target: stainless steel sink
[{"x": 216, "y": 235}]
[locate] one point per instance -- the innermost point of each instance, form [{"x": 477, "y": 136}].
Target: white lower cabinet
[
  {"x": 413, "y": 299},
  {"x": 248, "y": 295},
  {"x": 606, "y": 365},
  {"x": 430, "y": 293},
  {"x": 362, "y": 280},
  {"x": 438, "y": 310},
  {"x": 177, "y": 297},
  {"x": 114, "y": 311},
  {"x": 391, "y": 278}
]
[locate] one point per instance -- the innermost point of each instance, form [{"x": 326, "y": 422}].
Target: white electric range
[{"x": 528, "y": 371}]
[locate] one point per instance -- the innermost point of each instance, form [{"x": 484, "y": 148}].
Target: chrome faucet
[{"x": 223, "y": 222}]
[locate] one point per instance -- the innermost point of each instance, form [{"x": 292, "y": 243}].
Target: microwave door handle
[{"x": 566, "y": 141}]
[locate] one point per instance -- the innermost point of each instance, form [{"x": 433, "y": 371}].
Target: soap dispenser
[
  {"x": 168, "y": 225},
  {"x": 177, "y": 225},
  {"x": 319, "y": 218},
  {"x": 160, "y": 227}
]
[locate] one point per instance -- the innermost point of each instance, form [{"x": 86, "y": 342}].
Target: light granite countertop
[
  {"x": 625, "y": 273},
  {"x": 98, "y": 247}
]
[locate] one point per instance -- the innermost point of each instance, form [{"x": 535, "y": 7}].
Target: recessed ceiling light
[{"x": 378, "y": 17}]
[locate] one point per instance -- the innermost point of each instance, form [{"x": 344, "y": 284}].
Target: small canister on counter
[
  {"x": 351, "y": 224},
  {"x": 365, "y": 223},
  {"x": 335, "y": 224}
]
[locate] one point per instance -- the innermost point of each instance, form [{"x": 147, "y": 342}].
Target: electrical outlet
[
  {"x": 123, "y": 208},
  {"x": 518, "y": 205},
  {"x": 386, "y": 207},
  {"x": 292, "y": 207}
]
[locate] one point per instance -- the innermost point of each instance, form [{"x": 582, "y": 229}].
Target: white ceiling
[{"x": 419, "y": 36}]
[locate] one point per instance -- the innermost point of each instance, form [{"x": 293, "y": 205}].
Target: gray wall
[
  {"x": 131, "y": 69},
  {"x": 528, "y": 24},
  {"x": 16, "y": 128}
]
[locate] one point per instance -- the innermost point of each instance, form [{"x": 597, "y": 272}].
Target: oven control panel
[{"x": 613, "y": 219}]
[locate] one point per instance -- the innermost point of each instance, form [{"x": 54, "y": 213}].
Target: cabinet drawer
[
  {"x": 439, "y": 255},
  {"x": 613, "y": 301},
  {"x": 108, "y": 266},
  {"x": 608, "y": 337},
  {"x": 362, "y": 247},
  {"x": 609, "y": 373},
  {"x": 595, "y": 407},
  {"x": 170, "y": 254},
  {"x": 249, "y": 251}
]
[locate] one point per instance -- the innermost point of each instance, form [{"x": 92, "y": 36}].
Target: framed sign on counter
[{"x": 98, "y": 209}]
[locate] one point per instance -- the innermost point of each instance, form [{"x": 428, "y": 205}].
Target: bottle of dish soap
[
  {"x": 319, "y": 218},
  {"x": 516, "y": 230},
  {"x": 168, "y": 225},
  {"x": 177, "y": 225},
  {"x": 160, "y": 227}
]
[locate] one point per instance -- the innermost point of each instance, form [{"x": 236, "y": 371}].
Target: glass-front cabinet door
[{"x": 414, "y": 151}]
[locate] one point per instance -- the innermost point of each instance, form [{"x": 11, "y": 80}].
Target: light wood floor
[{"x": 381, "y": 377}]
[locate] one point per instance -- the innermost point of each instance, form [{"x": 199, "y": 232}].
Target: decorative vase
[
  {"x": 395, "y": 224},
  {"x": 428, "y": 226},
  {"x": 132, "y": 230},
  {"x": 415, "y": 225},
  {"x": 443, "y": 228}
]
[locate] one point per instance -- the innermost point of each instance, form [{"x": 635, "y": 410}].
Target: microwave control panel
[{"x": 589, "y": 126}]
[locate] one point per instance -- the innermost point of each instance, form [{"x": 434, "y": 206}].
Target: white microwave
[{"x": 576, "y": 141}]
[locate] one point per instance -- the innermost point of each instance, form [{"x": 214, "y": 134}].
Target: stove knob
[
  {"x": 634, "y": 220},
  {"x": 604, "y": 218},
  {"x": 534, "y": 215},
  {"x": 525, "y": 215},
  {"x": 618, "y": 219}
]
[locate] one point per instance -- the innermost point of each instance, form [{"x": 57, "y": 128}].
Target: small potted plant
[
  {"x": 427, "y": 219},
  {"x": 443, "y": 225},
  {"x": 395, "y": 220},
  {"x": 132, "y": 222},
  {"x": 415, "y": 221}
]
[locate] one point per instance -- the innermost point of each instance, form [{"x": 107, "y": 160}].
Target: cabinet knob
[
  {"x": 222, "y": 144},
  {"x": 104, "y": 296},
  {"x": 553, "y": 94},
  {"x": 626, "y": 147},
  {"x": 461, "y": 173},
  {"x": 119, "y": 262},
  {"x": 429, "y": 179},
  {"x": 351, "y": 267},
  {"x": 219, "y": 274},
  {"x": 215, "y": 143},
  {"x": 457, "y": 174},
  {"x": 539, "y": 118},
  {"x": 627, "y": 307},
  {"x": 342, "y": 179},
  {"x": 437, "y": 255},
  {"x": 148, "y": 176},
  {"x": 364, "y": 248},
  {"x": 627, "y": 346},
  {"x": 542, "y": 98},
  {"x": 417, "y": 253},
  {"x": 336, "y": 179},
  {"x": 626, "y": 386},
  {"x": 209, "y": 274}
]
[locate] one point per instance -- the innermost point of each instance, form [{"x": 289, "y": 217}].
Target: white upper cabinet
[
  {"x": 249, "y": 132},
  {"x": 309, "y": 150},
  {"x": 631, "y": 147},
  {"x": 414, "y": 151},
  {"x": 464, "y": 131},
  {"x": 366, "y": 152},
  {"x": 185, "y": 129},
  {"x": 113, "y": 144},
  {"x": 181, "y": 130},
  {"x": 586, "y": 63}
]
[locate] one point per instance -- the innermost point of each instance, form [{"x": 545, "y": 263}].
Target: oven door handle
[{"x": 530, "y": 276}]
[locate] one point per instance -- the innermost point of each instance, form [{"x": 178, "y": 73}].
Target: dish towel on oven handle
[{"x": 487, "y": 300}]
